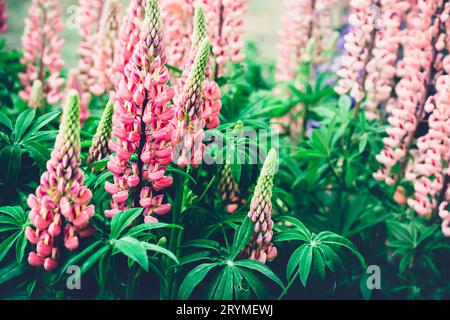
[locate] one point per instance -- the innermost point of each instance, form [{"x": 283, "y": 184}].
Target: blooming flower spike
[
  {"x": 141, "y": 126},
  {"x": 261, "y": 247},
  {"x": 59, "y": 210}
]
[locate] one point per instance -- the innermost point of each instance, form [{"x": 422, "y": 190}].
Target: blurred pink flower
[
  {"x": 42, "y": 45},
  {"x": 3, "y": 16}
]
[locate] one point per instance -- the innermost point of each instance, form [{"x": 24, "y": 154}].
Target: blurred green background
[{"x": 262, "y": 24}]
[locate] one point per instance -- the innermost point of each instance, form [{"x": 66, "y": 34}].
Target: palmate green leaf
[
  {"x": 10, "y": 159},
  {"x": 6, "y": 244},
  {"x": 79, "y": 256},
  {"x": 241, "y": 237},
  {"x": 332, "y": 259},
  {"x": 4, "y": 121},
  {"x": 139, "y": 229},
  {"x": 318, "y": 263},
  {"x": 38, "y": 152},
  {"x": 40, "y": 123},
  {"x": 94, "y": 258},
  {"x": 21, "y": 244},
  {"x": 330, "y": 238},
  {"x": 13, "y": 270},
  {"x": 298, "y": 225},
  {"x": 255, "y": 284},
  {"x": 122, "y": 220},
  {"x": 261, "y": 268},
  {"x": 224, "y": 289},
  {"x": 305, "y": 263},
  {"x": 202, "y": 244},
  {"x": 159, "y": 249},
  {"x": 133, "y": 249},
  {"x": 290, "y": 235},
  {"x": 16, "y": 213},
  {"x": 194, "y": 257},
  {"x": 294, "y": 261},
  {"x": 193, "y": 279},
  {"x": 24, "y": 120}
]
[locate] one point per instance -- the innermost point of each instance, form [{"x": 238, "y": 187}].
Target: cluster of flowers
[
  {"x": 404, "y": 39},
  {"x": 225, "y": 26},
  {"x": 260, "y": 246},
  {"x": 42, "y": 46},
  {"x": 60, "y": 205},
  {"x": 147, "y": 129}
]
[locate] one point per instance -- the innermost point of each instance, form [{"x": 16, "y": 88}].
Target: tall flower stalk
[
  {"x": 99, "y": 149},
  {"x": 141, "y": 126},
  {"x": 260, "y": 246},
  {"x": 59, "y": 209},
  {"x": 90, "y": 12},
  {"x": 42, "y": 45},
  {"x": 108, "y": 33},
  {"x": 129, "y": 34}
]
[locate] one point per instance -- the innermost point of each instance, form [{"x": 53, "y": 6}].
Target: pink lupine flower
[
  {"x": 129, "y": 34},
  {"x": 90, "y": 12},
  {"x": 60, "y": 205},
  {"x": 407, "y": 110},
  {"x": 225, "y": 22},
  {"x": 294, "y": 35},
  {"x": 108, "y": 33},
  {"x": 381, "y": 68},
  {"x": 42, "y": 45},
  {"x": 260, "y": 246},
  {"x": 358, "y": 46},
  {"x": 189, "y": 123},
  {"x": 3, "y": 16},
  {"x": 177, "y": 21},
  {"x": 141, "y": 125}
]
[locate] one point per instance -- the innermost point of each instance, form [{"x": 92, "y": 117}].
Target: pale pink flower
[
  {"x": 42, "y": 45},
  {"x": 3, "y": 16}
]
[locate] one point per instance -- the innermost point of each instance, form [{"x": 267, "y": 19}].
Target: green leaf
[
  {"x": 16, "y": 213},
  {"x": 294, "y": 261},
  {"x": 12, "y": 271},
  {"x": 193, "y": 279},
  {"x": 256, "y": 285},
  {"x": 41, "y": 122},
  {"x": 38, "y": 152},
  {"x": 122, "y": 220},
  {"x": 24, "y": 120},
  {"x": 21, "y": 244},
  {"x": 4, "y": 120},
  {"x": 305, "y": 265},
  {"x": 6, "y": 245},
  {"x": 242, "y": 237},
  {"x": 225, "y": 287},
  {"x": 159, "y": 249},
  {"x": 137, "y": 230},
  {"x": 93, "y": 259},
  {"x": 298, "y": 225},
  {"x": 261, "y": 268},
  {"x": 318, "y": 263},
  {"x": 10, "y": 158},
  {"x": 133, "y": 249}
]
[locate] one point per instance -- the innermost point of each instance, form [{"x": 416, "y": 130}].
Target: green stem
[
  {"x": 175, "y": 234},
  {"x": 285, "y": 291}
]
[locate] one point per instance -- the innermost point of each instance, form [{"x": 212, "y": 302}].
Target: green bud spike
[
  {"x": 265, "y": 180},
  {"x": 68, "y": 139},
  {"x": 99, "y": 149},
  {"x": 194, "y": 84},
  {"x": 200, "y": 32},
  {"x": 37, "y": 95}
]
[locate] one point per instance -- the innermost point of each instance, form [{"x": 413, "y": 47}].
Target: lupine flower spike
[
  {"x": 60, "y": 209},
  {"x": 177, "y": 20},
  {"x": 3, "y": 16},
  {"x": 90, "y": 12},
  {"x": 102, "y": 70},
  {"x": 42, "y": 45},
  {"x": 141, "y": 126},
  {"x": 99, "y": 149},
  {"x": 261, "y": 247},
  {"x": 189, "y": 133},
  {"x": 129, "y": 34}
]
